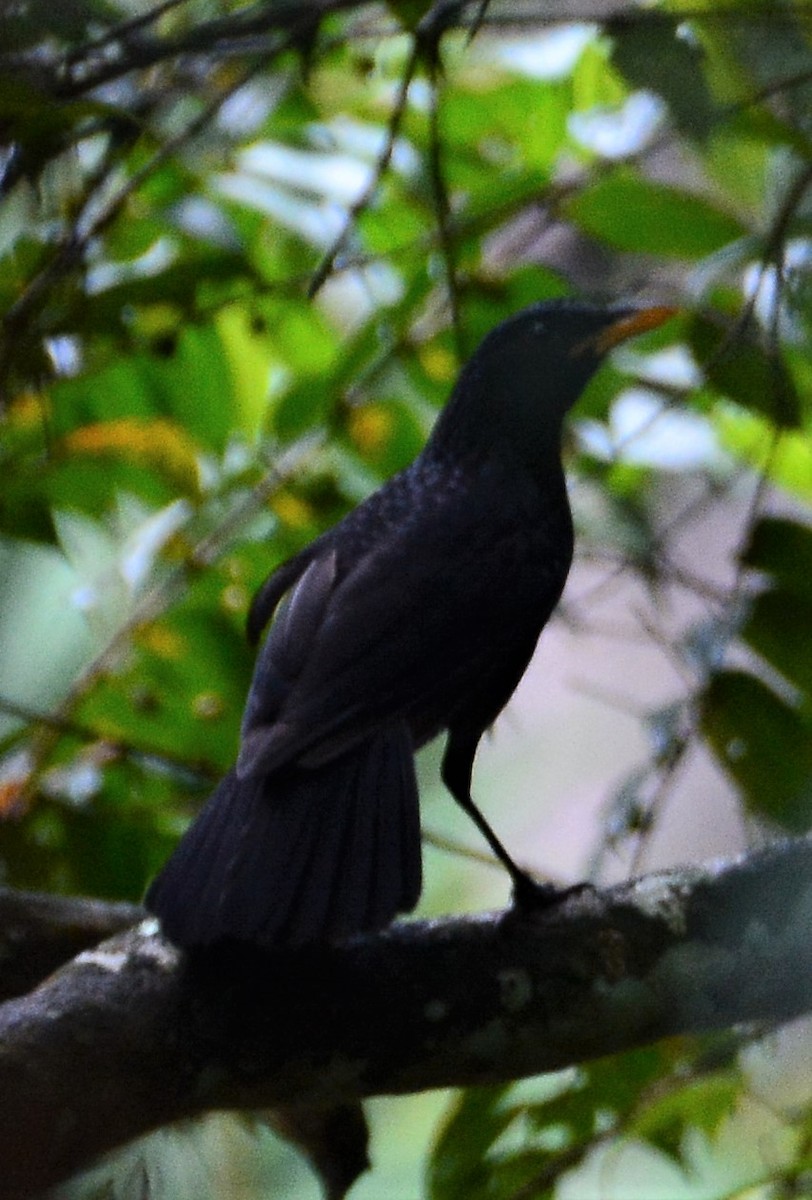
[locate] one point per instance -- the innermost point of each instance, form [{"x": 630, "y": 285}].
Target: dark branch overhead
[{"x": 266, "y": 30}]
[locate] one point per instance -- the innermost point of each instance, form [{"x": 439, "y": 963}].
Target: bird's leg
[{"x": 457, "y": 768}]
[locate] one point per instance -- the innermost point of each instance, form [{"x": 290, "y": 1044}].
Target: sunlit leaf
[
  {"x": 785, "y": 460},
  {"x": 519, "y": 123}
]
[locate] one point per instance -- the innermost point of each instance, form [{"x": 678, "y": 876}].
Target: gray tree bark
[{"x": 132, "y": 1034}]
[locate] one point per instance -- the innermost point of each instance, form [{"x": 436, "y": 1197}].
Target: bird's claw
[{"x": 534, "y": 895}]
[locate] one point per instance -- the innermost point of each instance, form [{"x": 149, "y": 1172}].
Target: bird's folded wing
[
  {"x": 274, "y": 588},
  {"x": 395, "y": 636}
]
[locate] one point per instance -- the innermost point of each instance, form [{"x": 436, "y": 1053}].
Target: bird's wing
[
  {"x": 412, "y": 619},
  {"x": 273, "y": 589}
]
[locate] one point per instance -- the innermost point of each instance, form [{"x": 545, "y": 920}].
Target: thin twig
[
  {"x": 292, "y": 22},
  {"x": 366, "y": 197},
  {"x": 73, "y": 248},
  {"x": 666, "y": 783},
  {"x": 773, "y": 245},
  {"x": 442, "y": 210},
  {"x": 121, "y": 31},
  {"x": 478, "y": 21},
  {"x": 86, "y": 733}
]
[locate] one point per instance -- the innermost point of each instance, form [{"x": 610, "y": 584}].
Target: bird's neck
[
  {"x": 502, "y": 414},
  {"x": 517, "y": 445},
  {"x": 534, "y": 479}
]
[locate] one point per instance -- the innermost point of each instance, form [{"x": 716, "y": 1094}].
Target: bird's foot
[{"x": 533, "y": 895}]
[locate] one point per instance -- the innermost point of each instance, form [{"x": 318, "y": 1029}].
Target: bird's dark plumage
[{"x": 417, "y": 613}]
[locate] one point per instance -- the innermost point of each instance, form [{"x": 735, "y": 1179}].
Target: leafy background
[{"x": 244, "y": 249}]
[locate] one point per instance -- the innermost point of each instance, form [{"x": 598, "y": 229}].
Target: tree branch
[
  {"x": 39, "y": 933},
  {"x": 127, "y": 47},
  {"x": 133, "y": 1035}
]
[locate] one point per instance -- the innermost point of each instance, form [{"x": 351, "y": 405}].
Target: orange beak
[{"x": 626, "y": 327}]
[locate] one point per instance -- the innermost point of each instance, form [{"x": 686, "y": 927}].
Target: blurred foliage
[
  {"x": 503, "y": 1142},
  {"x": 243, "y": 249},
  {"x": 663, "y": 1107}
]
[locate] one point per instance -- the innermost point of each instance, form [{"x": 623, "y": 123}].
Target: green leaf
[
  {"x": 193, "y": 385},
  {"x": 595, "y": 83},
  {"x": 458, "y": 1169},
  {"x": 303, "y": 407},
  {"x": 651, "y": 54},
  {"x": 186, "y": 379},
  {"x": 106, "y": 844},
  {"x": 498, "y": 1141},
  {"x": 786, "y": 461},
  {"x": 602, "y": 1090},
  {"x": 763, "y": 125},
  {"x": 699, "y": 1103},
  {"x": 299, "y": 335},
  {"x": 203, "y": 276},
  {"x": 389, "y": 227},
  {"x": 409, "y": 13},
  {"x": 741, "y": 369},
  {"x": 764, "y": 745},
  {"x": 778, "y": 629},
  {"x": 520, "y": 124},
  {"x": 183, "y": 689},
  {"x": 739, "y": 168},
  {"x": 783, "y": 549},
  {"x": 768, "y": 52},
  {"x": 634, "y": 214},
  {"x": 91, "y": 483}
]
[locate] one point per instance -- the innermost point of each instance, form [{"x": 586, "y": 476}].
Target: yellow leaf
[
  {"x": 208, "y": 706},
  {"x": 370, "y": 428},
  {"x": 13, "y": 799},
  {"x": 28, "y": 409},
  {"x": 291, "y": 510},
  {"x": 162, "y": 640},
  {"x": 155, "y": 442},
  {"x": 439, "y": 364}
]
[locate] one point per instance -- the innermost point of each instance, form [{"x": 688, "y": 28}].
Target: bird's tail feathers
[{"x": 299, "y": 856}]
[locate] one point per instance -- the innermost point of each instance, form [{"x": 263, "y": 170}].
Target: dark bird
[{"x": 417, "y": 613}]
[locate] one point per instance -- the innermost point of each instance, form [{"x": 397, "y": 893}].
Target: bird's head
[{"x": 529, "y": 371}]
